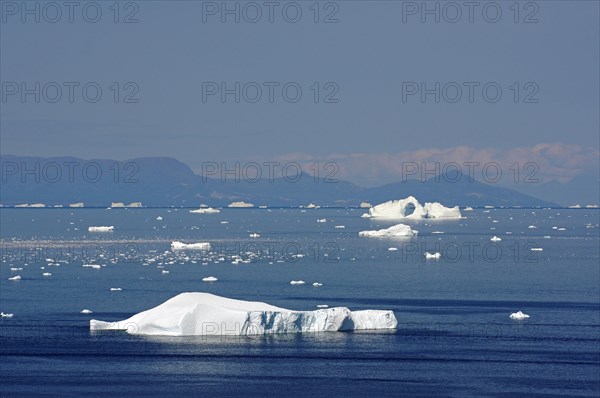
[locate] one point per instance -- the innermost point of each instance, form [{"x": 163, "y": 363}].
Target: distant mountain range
[{"x": 160, "y": 181}]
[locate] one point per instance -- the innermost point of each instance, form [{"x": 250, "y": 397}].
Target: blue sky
[{"x": 366, "y": 61}]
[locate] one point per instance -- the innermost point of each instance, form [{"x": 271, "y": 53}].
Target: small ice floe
[
  {"x": 340, "y": 226},
  {"x": 519, "y": 315},
  {"x": 297, "y": 283},
  {"x": 322, "y": 220},
  {"x": 495, "y": 239},
  {"x": 86, "y": 311},
  {"x": 468, "y": 208},
  {"x": 46, "y": 274},
  {"x": 536, "y": 249},
  {"x": 437, "y": 232},
  {"x": 164, "y": 271},
  {"x": 94, "y": 266},
  {"x": 16, "y": 269},
  {"x": 547, "y": 237},
  {"x": 115, "y": 289},
  {"x": 532, "y": 227},
  {"x": 433, "y": 256},
  {"x": 392, "y": 249},
  {"x": 224, "y": 222},
  {"x": 101, "y": 229},
  {"x": 176, "y": 245},
  {"x": 322, "y": 306},
  {"x": 159, "y": 218},
  {"x": 254, "y": 235},
  {"x": 317, "y": 284},
  {"x": 3, "y": 315},
  {"x": 561, "y": 229},
  {"x": 210, "y": 279}
]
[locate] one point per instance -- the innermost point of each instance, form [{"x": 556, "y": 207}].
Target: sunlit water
[{"x": 454, "y": 336}]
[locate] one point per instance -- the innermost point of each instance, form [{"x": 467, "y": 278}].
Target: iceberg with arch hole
[
  {"x": 397, "y": 209},
  {"x": 205, "y": 314}
]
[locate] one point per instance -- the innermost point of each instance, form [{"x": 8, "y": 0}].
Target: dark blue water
[{"x": 454, "y": 336}]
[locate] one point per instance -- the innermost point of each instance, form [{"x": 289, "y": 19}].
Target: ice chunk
[
  {"x": 297, "y": 283},
  {"x": 206, "y": 314},
  {"x": 210, "y": 279},
  {"x": 46, "y": 274},
  {"x": 80, "y": 204},
  {"x": 159, "y": 218},
  {"x": 322, "y": 220},
  {"x": 15, "y": 278},
  {"x": 240, "y": 204},
  {"x": 208, "y": 210},
  {"x": 86, "y": 311},
  {"x": 365, "y": 205},
  {"x": 101, "y": 229},
  {"x": 399, "y": 230},
  {"x": 176, "y": 245},
  {"x": 536, "y": 249},
  {"x": 518, "y": 315},
  {"x": 433, "y": 256},
  {"x": 495, "y": 239},
  {"x": 397, "y": 209},
  {"x": 254, "y": 235},
  {"x": 115, "y": 289},
  {"x": 317, "y": 284},
  {"x": 3, "y": 315},
  {"x": 468, "y": 208}
]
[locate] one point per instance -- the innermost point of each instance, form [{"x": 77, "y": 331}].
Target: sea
[{"x": 455, "y": 337}]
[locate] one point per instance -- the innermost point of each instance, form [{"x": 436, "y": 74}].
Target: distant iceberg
[
  {"x": 117, "y": 204},
  {"x": 80, "y": 204},
  {"x": 399, "y": 230},
  {"x": 205, "y": 210},
  {"x": 204, "y": 314},
  {"x": 176, "y": 245},
  {"x": 240, "y": 204},
  {"x": 101, "y": 229},
  {"x": 518, "y": 316},
  {"x": 397, "y": 209},
  {"x": 365, "y": 205}
]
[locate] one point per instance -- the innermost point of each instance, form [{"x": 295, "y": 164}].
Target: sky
[{"x": 382, "y": 83}]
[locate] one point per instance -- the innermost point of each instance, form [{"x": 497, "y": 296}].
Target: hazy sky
[{"x": 363, "y": 111}]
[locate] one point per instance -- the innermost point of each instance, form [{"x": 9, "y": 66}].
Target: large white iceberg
[
  {"x": 205, "y": 210},
  {"x": 176, "y": 245},
  {"x": 399, "y": 230},
  {"x": 240, "y": 204},
  {"x": 397, "y": 209},
  {"x": 202, "y": 314},
  {"x": 101, "y": 229}
]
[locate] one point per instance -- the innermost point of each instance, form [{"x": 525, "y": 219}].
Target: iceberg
[
  {"x": 297, "y": 283},
  {"x": 135, "y": 204},
  {"x": 3, "y": 315},
  {"x": 518, "y": 315},
  {"x": 399, "y": 230},
  {"x": 117, "y": 204},
  {"x": 176, "y": 245},
  {"x": 207, "y": 210},
  {"x": 86, "y": 311},
  {"x": 204, "y": 314},
  {"x": 80, "y": 204},
  {"x": 101, "y": 229},
  {"x": 210, "y": 279},
  {"x": 495, "y": 239},
  {"x": 240, "y": 204},
  {"x": 433, "y": 256},
  {"x": 15, "y": 278},
  {"x": 365, "y": 205},
  {"x": 396, "y": 209}
]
